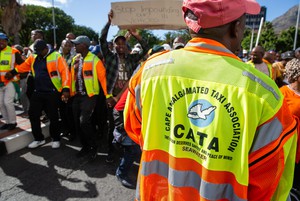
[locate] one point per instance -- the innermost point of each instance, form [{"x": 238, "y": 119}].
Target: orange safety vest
[
  {"x": 57, "y": 67},
  {"x": 210, "y": 128}
]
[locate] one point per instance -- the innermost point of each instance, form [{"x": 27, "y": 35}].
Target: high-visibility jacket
[
  {"x": 210, "y": 128},
  {"x": 7, "y": 62},
  {"x": 57, "y": 69},
  {"x": 92, "y": 71},
  {"x": 269, "y": 65}
]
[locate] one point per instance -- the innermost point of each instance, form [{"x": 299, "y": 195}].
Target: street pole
[
  {"x": 259, "y": 31},
  {"x": 54, "y": 25},
  {"x": 252, "y": 36},
  {"x": 297, "y": 25}
]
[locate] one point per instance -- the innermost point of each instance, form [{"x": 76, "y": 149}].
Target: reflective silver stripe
[
  {"x": 205, "y": 45},
  {"x": 262, "y": 83},
  {"x": 267, "y": 133},
  {"x": 137, "y": 90},
  {"x": 179, "y": 179}
]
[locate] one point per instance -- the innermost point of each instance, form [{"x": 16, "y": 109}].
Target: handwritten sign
[{"x": 163, "y": 14}]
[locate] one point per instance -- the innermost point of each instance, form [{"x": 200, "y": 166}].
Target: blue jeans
[{"x": 130, "y": 153}]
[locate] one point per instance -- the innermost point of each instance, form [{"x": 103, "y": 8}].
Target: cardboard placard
[{"x": 163, "y": 14}]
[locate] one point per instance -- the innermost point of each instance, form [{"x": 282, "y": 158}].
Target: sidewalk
[{"x": 19, "y": 138}]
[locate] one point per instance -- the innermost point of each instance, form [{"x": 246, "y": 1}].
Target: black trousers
[
  {"x": 49, "y": 102},
  {"x": 83, "y": 108}
]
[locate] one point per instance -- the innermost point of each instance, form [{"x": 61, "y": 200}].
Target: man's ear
[{"x": 234, "y": 27}]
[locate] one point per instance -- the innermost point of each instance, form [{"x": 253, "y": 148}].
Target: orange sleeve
[
  {"x": 64, "y": 72},
  {"x": 25, "y": 66},
  {"x": 132, "y": 113},
  {"x": 101, "y": 73}
]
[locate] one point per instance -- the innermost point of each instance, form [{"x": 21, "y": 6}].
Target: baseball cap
[
  {"x": 39, "y": 46},
  {"x": 3, "y": 36},
  {"x": 96, "y": 49},
  {"x": 119, "y": 37},
  {"x": 287, "y": 55},
  {"x": 214, "y": 13},
  {"x": 82, "y": 39}
]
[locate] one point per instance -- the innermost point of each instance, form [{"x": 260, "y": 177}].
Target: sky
[{"x": 93, "y": 13}]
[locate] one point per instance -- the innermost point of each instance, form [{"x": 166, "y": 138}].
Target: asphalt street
[{"x": 58, "y": 175}]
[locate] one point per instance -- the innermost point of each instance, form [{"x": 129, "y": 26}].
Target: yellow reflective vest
[{"x": 210, "y": 128}]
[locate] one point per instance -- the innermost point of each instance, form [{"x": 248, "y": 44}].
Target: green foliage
[
  {"x": 147, "y": 35},
  {"x": 83, "y": 30},
  {"x": 170, "y": 36},
  {"x": 286, "y": 40},
  {"x": 270, "y": 40},
  {"x": 38, "y": 17}
]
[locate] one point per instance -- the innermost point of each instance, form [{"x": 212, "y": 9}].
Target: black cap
[{"x": 39, "y": 46}]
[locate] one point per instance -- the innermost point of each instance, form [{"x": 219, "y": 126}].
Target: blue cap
[
  {"x": 3, "y": 36},
  {"x": 96, "y": 49}
]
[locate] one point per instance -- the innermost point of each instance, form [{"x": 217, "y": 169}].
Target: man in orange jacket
[
  {"x": 210, "y": 127},
  {"x": 51, "y": 83}
]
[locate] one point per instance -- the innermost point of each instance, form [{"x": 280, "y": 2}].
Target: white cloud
[{"x": 45, "y": 3}]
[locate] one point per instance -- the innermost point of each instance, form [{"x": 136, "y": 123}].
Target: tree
[
  {"x": 147, "y": 35},
  {"x": 268, "y": 38},
  {"x": 38, "y": 17},
  {"x": 286, "y": 40},
  {"x": 83, "y": 30},
  {"x": 12, "y": 17}
]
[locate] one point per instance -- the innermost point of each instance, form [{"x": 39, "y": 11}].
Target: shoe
[
  {"x": 11, "y": 126},
  {"x": 109, "y": 158},
  {"x": 4, "y": 127},
  {"x": 36, "y": 144},
  {"x": 125, "y": 181},
  {"x": 83, "y": 151},
  {"x": 55, "y": 144}
]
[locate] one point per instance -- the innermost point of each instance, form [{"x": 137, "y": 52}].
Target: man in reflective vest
[
  {"x": 51, "y": 83},
  {"x": 87, "y": 72},
  {"x": 210, "y": 127},
  {"x": 9, "y": 58}
]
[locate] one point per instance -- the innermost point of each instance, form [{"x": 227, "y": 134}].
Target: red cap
[{"x": 214, "y": 13}]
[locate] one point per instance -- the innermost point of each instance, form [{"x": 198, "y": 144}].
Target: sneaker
[
  {"x": 12, "y": 126},
  {"x": 55, "y": 144},
  {"x": 4, "y": 127},
  {"x": 125, "y": 181},
  {"x": 36, "y": 144}
]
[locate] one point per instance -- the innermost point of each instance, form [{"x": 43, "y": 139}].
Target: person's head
[
  {"x": 120, "y": 45},
  {"x": 70, "y": 36},
  {"x": 270, "y": 56},
  {"x": 37, "y": 34},
  {"x": 178, "y": 43},
  {"x": 82, "y": 44},
  {"x": 257, "y": 54},
  {"x": 220, "y": 20},
  {"x": 3, "y": 41},
  {"x": 66, "y": 46},
  {"x": 19, "y": 48},
  {"x": 293, "y": 70},
  {"x": 40, "y": 47},
  {"x": 297, "y": 53},
  {"x": 286, "y": 57}
]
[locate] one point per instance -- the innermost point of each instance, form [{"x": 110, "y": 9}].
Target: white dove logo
[{"x": 196, "y": 111}]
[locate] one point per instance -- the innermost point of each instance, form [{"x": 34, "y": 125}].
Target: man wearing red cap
[{"x": 209, "y": 126}]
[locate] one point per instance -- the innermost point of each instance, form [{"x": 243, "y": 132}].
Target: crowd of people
[{"x": 206, "y": 121}]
